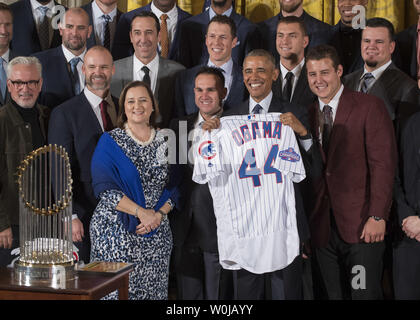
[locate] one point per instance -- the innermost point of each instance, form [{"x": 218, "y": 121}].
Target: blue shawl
[{"x": 113, "y": 170}]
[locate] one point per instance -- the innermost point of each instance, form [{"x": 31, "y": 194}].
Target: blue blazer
[
  {"x": 319, "y": 32},
  {"x": 185, "y": 97},
  {"x": 25, "y": 35},
  {"x": 192, "y": 47},
  {"x": 57, "y": 84},
  {"x": 74, "y": 126},
  {"x": 7, "y": 98},
  {"x": 91, "y": 41},
  {"x": 122, "y": 46}
]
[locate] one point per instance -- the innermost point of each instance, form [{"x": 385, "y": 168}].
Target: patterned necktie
[
  {"x": 257, "y": 109},
  {"x": 146, "y": 77},
  {"x": 107, "y": 34},
  {"x": 287, "y": 90},
  {"x": 44, "y": 28},
  {"x": 164, "y": 36},
  {"x": 75, "y": 74},
  {"x": 327, "y": 128},
  {"x": 368, "y": 78},
  {"x": 106, "y": 119},
  {"x": 3, "y": 79}
]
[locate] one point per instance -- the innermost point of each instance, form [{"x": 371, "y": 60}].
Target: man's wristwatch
[{"x": 376, "y": 218}]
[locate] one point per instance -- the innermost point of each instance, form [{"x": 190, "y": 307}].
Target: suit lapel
[
  {"x": 92, "y": 38},
  {"x": 31, "y": 25},
  {"x": 86, "y": 108},
  {"x": 236, "y": 85}
]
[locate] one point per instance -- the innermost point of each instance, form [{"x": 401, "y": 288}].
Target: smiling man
[
  {"x": 146, "y": 65},
  {"x": 220, "y": 40}
]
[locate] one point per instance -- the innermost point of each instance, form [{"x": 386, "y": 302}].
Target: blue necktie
[
  {"x": 3, "y": 79},
  {"x": 257, "y": 109},
  {"x": 75, "y": 74},
  {"x": 107, "y": 34}
]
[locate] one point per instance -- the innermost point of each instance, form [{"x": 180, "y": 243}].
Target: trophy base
[{"x": 52, "y": 275}]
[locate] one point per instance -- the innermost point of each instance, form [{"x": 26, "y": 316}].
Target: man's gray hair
[{"x": 26, "y": 61}]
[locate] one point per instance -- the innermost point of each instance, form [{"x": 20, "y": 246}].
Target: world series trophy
[{"x": 45, "y": 215}]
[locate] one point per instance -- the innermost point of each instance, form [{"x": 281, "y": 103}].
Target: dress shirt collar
[
  {"x": 6, "y": 56},
  {"x": 378, "y": 72},
  {"x": 35, "y": 4},
  {"x": 69, "y": 55},
  {"x": 334, "y": 101},
  {"x": 152, "y": 65},
  {"x": 226, "y": 67},
  {"x": 199, "y": 121},
  {"x": 296, "y": 70},
  {"x": 97, "y": 12},
  {"x": 227, "y": 13},
  {"x": 264, "y": 103},
  {"x": 172, "y": 14},
  {"x": 93, "y": 99}
]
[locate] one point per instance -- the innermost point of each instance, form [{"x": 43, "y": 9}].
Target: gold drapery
[{"x": 400, "y": 12}]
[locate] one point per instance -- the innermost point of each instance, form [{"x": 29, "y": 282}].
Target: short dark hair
[
  {"x": 262, "y": 53},
  {"x": 224, "y": 20},
  {"x": 217, "y": 72},
  {"x": 146, "y": 14},
  {"x": 294, "y": 19},
  {"x": 122, "y": 116},
  {"x": 5, "y": 7},
  {"x": 324, "y": 51},
  {"x": 381, "y": 22}
]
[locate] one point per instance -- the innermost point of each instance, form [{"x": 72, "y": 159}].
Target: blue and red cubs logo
[{"x": 207, "y": 150}]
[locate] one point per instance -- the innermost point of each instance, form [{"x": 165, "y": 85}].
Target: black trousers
[
  {"x": 406, "y": 269},
  {"x": 285, "y": 284},
  {"x": 6, "y": 256},
  {"x": 351, "y": 271}
]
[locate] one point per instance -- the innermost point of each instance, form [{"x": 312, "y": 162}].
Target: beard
[
  {"x": 291, "y": 7},
  {"x": 76, "y": 46},
  {"x": 219, "y": 3},
  {"x": 97, "y": 86}
]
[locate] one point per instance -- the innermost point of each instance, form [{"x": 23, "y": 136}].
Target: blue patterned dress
[{"x": 111, "y": 242}]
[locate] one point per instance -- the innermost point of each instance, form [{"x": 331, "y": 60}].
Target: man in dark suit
[
  {"x": 318, "y": 31},
  {"x": 103, "y": 17},
  {"x": 146, "y": 65},
  {"x": 35, "y": 31},
  {"x": 77, "y": 125},
  {"x": 380, "y": 76},
  {"x": 406, "y": 253},
  {"x": 346, "y": 38},
  {"x": 199, "y": 273},
  {"x": 292, "y": 83},
  {"x": 122, "y": 45},
  {"x": 353, "y": 166},
  {"x": 6, "y": 34},
  {"x": 220, "y": 40},
  {"x": 23, "y": 128},
  {"x": 62, "y": 66},
  {"x": 192, "y": 47},
  {"x": 407, "y": 41}
]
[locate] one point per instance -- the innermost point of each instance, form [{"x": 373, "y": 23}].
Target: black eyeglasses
[{"x": 32, "y": 84}]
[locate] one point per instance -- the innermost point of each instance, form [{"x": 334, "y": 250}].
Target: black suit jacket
[
  {"x": 57, "y": 85},
  {"x": 319, "y": 32},
  {"x": 302, "y": 95},
  {"x": 400, "y": 93},
  {"x": 91, "y": 41},
  {"x": 184, "y": 92},
  {"x": 75, "y": 126},
  {"x": 192, "y": 46},
  {"x": 406, "y": 41},
  {"x": 278, "y": 106},
  {"x": 194, "y": 223},
  {"x": 25, "y": 35}
]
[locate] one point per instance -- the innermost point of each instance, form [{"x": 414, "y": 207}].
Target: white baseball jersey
[{"x": 250, "y": 164}]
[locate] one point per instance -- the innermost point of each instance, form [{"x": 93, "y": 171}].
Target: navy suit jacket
[
  {"x": 406, "y": 42},
  {"x": 75, "y": 126},
  {"x": 319, "y": 32},
  {"x": 192, "y": 46},
  {"x": 7, "y": 98},
  {"x": 185, "y": 97},
  {"x": 122, "y": 46},
  {"x": 91, "y": 41},
  {"x": 25, "y": 35},
  {"x": 57, "y": 83}
]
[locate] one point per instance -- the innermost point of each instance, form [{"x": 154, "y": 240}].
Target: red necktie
[{"x": 106, "y": 119}]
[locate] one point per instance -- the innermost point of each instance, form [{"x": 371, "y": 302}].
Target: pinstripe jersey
[{"x": 250, "y": 164}]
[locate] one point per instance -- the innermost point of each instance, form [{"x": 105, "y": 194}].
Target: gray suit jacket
[
  {"x": 165, "y": 85},
  {"x": 399, "y": 92}
]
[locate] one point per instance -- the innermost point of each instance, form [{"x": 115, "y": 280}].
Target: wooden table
[{"x": 88, "y": 286}]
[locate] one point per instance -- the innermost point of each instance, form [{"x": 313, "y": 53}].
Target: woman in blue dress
[{"x": 131, "y": 179}]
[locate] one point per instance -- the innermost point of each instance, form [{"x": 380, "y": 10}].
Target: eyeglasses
[{"x": 32, "y": 84}]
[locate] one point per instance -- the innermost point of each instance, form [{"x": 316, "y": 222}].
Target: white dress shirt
[
  {"x": 376, "y": 73},
  {"x": 5, "y": 57},
  {"x": 333, "y": 103},
  {"x": 227, "y": 73},
  {"x": 153, "y": 66},
  {"x": 95, "y": 101},
  {"x": 69, "y": 55},
  {"x": 171, "y": 21},
  {"x": 227, "y": 13},
  {"x": 296, "y": 74},
  {"x": 99, "y": 23},
  {"x": 264, "y": 103},
  {"x": 37, "y": 15}
]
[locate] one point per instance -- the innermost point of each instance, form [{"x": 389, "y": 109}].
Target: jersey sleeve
[{"x": 207, "y": 157}]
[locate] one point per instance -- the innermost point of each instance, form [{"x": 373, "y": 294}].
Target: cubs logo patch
[
  {"x": 207, "y": 150},
  {"x": 289, "y": 155}
]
